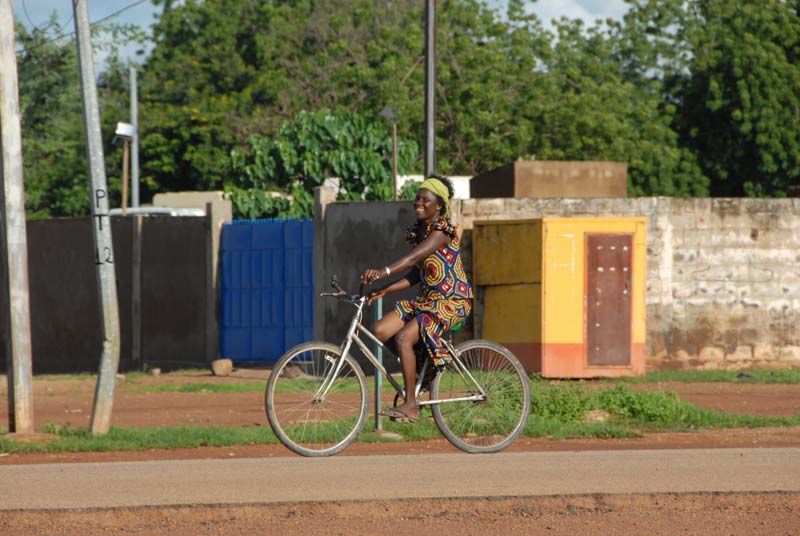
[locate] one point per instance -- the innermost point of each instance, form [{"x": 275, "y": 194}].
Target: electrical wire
[
  {"x": 34, "y": 26},
  {"x": 114, "y": 14},
  {"x": 25, "y": 9}
]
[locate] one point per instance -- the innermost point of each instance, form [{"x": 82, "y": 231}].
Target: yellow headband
[{"x": 438, "y": 187}]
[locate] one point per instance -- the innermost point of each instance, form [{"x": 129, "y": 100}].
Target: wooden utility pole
[
  {"x": 125, "y": 159},
  {"x": 104, "y": 249},
  {"x": 13, "y": 240}
]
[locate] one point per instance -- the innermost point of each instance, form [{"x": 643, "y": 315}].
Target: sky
[
  {"x": 33, "y": 13},
  {"x": 588, "y": 10}
]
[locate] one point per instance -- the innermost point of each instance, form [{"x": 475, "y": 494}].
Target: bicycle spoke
[
  {"x": 493, "y": 423},
  {"x": 305, "y": 423}
]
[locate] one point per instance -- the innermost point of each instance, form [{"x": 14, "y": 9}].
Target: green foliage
[
  {"x": 409, "y": 190},
  {"x": 224, "y": 70},
  {"x": 276, "y": 177},
  {"x": 555, "y": 405},
  {"x": 81, "y": 440},
  {"x": 491, "y": 85},
  {"x": 740, "y": 104},
  {"x": 659, "y": 407},
  {"x": 599, "y": 115},
  {"x": 730, "y": 70},
  {"x": 506, "y": 89},
  {"x": 560, "y": 403},
  {"x": 53, "y": 146},
  {"x": 196, "y": 86},
  {"x": 698, "y": 97},
  {"x": 664, "y": 410}
]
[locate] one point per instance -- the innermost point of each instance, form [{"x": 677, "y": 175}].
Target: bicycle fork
[{"x": 338, "y": 364}]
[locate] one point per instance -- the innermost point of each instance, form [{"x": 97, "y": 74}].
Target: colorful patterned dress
[{"x": 445, "y": 296}]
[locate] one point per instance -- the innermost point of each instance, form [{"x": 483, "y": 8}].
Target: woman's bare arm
[
  {"x": 410, "y": 279},
  {"x": 434, "y": 241}
]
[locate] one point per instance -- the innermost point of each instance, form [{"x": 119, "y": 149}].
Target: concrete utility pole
[
  {"x": 135, "y": 142},
  {"x": 430, "y": 87},
  {"x": 104, "y": 250},
  {"x": 13, "y": 240}
]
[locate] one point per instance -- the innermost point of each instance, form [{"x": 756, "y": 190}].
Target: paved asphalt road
[{"x": 294, "y": 479}]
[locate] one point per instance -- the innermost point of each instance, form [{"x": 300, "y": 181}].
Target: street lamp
[
  {"x": 391, "y": 114},
  {"x": 125, "y": 132}
]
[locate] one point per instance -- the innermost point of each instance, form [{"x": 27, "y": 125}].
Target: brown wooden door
[{"x": 608, "y": 299}]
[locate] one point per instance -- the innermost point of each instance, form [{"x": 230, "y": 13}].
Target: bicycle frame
[{"x": 357, "y": 328}]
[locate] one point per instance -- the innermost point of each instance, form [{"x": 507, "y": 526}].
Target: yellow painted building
[{"x": 566, "y": 295}]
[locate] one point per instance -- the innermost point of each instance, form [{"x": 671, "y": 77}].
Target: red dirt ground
[{"x": 68, "y": 402}]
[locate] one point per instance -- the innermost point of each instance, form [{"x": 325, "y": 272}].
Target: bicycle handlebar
[
  {"x": 341, "y": 293},
  {"x": 335, "y": 285}
]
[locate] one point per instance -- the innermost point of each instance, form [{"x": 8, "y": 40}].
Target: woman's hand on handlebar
[
  {"x": 372, "y": 275},
  {"x": 375, "y": 294}
]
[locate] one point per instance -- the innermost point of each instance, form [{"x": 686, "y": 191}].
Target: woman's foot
[{"x": 407, "y": 413}]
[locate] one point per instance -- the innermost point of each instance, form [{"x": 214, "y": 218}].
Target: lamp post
[
  {"x": 125, "y": 132},
  {"x": 391, "y": 114}
]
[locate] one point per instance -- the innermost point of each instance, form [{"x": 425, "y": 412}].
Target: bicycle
[{"x": 317, "y": 401}]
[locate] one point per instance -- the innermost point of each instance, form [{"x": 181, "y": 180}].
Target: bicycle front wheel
[
  {"x": 487, "y": 425},
  {"x": 305, "y": 419}
]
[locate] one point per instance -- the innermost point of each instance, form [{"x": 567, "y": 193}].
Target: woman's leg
[
  {"x": 386, "y": 328},
  {"x": 406, "y": 338}
]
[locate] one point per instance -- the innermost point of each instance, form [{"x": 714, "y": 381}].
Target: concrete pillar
[{"x": 323, "y": 196}]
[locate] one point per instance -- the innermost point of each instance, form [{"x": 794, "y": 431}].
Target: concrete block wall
[
  {"x": 735, "y": 282},
  {"x": 723, "y": 275}
]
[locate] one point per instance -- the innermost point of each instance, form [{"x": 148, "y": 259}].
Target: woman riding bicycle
[{"x": 445, "y": 297}]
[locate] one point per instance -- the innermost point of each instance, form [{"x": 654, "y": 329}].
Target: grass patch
[
  {"x": 118, "y": 439},
  {"x": 791, "y": 376},
  {"x": 238, "y": 387},
  {"x": 61, "y": 377},
  {"x": 558, "y": 410},
  {"x": 283, "y": 386}
]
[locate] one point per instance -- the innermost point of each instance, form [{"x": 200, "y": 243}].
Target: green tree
[
  {"x": 225, "y": 69},
  {"x": 276, "y": 176},
  {"x": 53, "y": 144},
  {"x": 696, "y": 96},
  {"x": 222, "y": 70},
  {"x": 594, "y": 113},
  {"x": 490, "y": 82},
  {"x": 740, "y": 106}
]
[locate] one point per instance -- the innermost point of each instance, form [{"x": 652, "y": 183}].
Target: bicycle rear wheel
[
  {"x": 492, "y": 424},
  {"x": 311, "y": 425}
]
